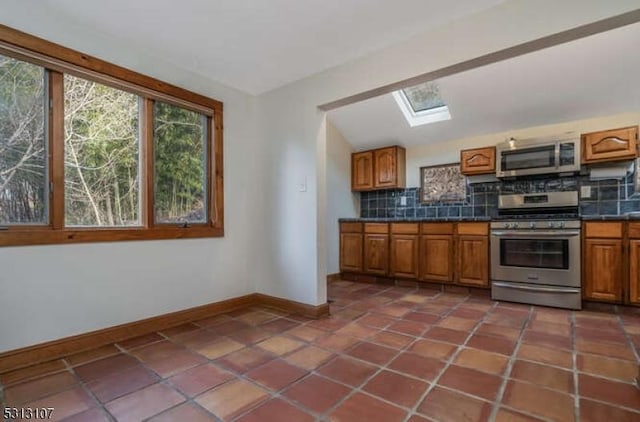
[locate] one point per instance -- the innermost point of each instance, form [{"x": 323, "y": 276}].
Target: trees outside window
[
  {"x": 23, "y": 143},
  {"x": 101, "y": 155},
  {"x": 180, "y": 160},
  {"x": 90, "y": 151}
]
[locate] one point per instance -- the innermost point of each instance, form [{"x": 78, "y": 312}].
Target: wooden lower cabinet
[
  {"x": 404, "y": 255},
  {"x": 436, "y": 252},
  {"x": 351, "y": 252},
  {"x": 634, "y": 271},
  {"x": 473, "y": 260},
  {"x": 436, "y": 258},
  {"x": 376, "y": 254},
  {"x": 603, "y": 269}
]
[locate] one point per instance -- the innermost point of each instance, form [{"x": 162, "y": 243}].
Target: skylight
[{"x": 422, "y": 104}]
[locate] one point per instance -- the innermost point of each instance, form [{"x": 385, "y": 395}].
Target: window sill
[{"x": 24, "y": 237}]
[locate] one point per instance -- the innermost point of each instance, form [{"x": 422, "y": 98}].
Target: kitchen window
[{"x": 91, "y": 152}]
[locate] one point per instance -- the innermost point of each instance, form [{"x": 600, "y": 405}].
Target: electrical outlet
[
  {"x": 585, "y": 192},
  {"x": 403, "y": 201}
]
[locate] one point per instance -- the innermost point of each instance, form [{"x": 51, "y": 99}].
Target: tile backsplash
[{"x": 608, "y": 197}]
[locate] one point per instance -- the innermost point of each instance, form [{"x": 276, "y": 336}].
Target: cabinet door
[
  {"x": 362, "y": 170},
  {"x": 436, "y": 258},
  {"x": 603, "y": 269},
  {"x": 351, "y": 252},
  {"x": 376, "y": 253},
  {"x": 478, "y": 161},
  {"x": 473, "y": 260},
  {"x": 404, "y": 255},
  {"x": 609, "y": 145},
  {"x": 634, "y": 271},
  {"x": 385, "y": 167}
]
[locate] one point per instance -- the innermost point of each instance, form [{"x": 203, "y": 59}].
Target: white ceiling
[
  {"x": 259, "y": 45},
  {"x": 593, "y": 76}
]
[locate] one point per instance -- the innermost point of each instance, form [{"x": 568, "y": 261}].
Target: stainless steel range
[{"x": 535, "y": 250}]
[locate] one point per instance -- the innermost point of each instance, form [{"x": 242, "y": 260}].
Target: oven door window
[
  {"x": 535, "y": 253},
  {"x": 530, "y": 158}
]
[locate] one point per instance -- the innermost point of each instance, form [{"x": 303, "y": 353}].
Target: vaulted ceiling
[{"x": 590, "y": 77}]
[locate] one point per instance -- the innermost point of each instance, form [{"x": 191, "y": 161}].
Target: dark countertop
[
  {"x": 627, "y": 217},
  {"x": 411, "y": 220}
]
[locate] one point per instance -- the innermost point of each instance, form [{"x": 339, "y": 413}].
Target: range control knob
[
  {"x": 550, "y": 224},
  {"x": 515, "y": 225},
  {"x": 507, "y": 225},
  {"x": 532, "y": 225},
  {"x": 561, "y": 224}
]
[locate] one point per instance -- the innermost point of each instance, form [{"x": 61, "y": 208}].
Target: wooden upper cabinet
[
  {"x": 610, "y": 145},
  {"x": 473, "y": 260},
  {"x": 478, "y": 161},
  {"x": 603, "y": 272},
  {"x": 382, "y": 168},
  {"x": 634, "y": 271},
  {"x": 389, "y": 168},
  {"x": 362, "y": 171}
]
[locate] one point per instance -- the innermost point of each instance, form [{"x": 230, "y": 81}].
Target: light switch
[
  {"x": 585, "y": 192},
  {"x": 302, "y": 186}
]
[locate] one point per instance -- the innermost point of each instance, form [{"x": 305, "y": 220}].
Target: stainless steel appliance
[
  {"x": 537, "y": 156},
  {"x": 535, "y": 250}
]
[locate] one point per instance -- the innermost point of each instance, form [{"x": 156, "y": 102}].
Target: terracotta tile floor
[{"x": 386, "y": 354}]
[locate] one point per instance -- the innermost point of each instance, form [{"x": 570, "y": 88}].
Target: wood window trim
[{"x": 61, "y": 59}]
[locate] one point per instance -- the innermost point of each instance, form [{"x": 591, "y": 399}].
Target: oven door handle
[
  {"x": 534, "y": 289},
  {"x": 536, "y": 233}
]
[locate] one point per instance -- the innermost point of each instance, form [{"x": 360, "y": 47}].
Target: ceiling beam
[{"x": 563, "y": 37}]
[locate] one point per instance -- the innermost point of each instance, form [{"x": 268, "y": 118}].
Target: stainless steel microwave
[{"x": 534, "y": 156}]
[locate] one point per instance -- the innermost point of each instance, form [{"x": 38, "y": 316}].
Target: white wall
[
  {"x": 340, "y": 201},
  {"x": 274, "y": 239},
  {"x": 449, "y": 152},
  {"x": 49, "y": 292},
  {"x": 290, "y": 123}
]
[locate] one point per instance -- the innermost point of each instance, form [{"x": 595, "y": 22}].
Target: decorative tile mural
[{"x": 443, "y": 183}]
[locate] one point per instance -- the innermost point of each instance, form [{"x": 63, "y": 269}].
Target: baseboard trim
[
  {"x": 56, "y": 349},
  {"x": 333, "y": 277},
  {"x": 293, "y": 307}
]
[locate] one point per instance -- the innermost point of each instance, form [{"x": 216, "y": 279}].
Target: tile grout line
[
  {"x": 507, "y": 372},
  {"x": 627, "y": 336},
  {"x": 381, "y": 367},
  {"x": 86, "y": 389},
  {"x": 385, "y": 367},
  {"x": 277, "y": 394},
  {"x": 449, "y": 361},
  {"x": 574, "y": 358}
]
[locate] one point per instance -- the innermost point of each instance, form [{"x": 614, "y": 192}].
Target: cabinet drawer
[
  {"x": 634, "y": 230},
  {"x": 405, "y": 228},
  {"x": 437, "y": 228},
  {"x": 351, "y": 227},
  {"x": 480, "y": 229},
  {"x": 609, "y": 230},
  {"x": 377, "y": 228}
]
